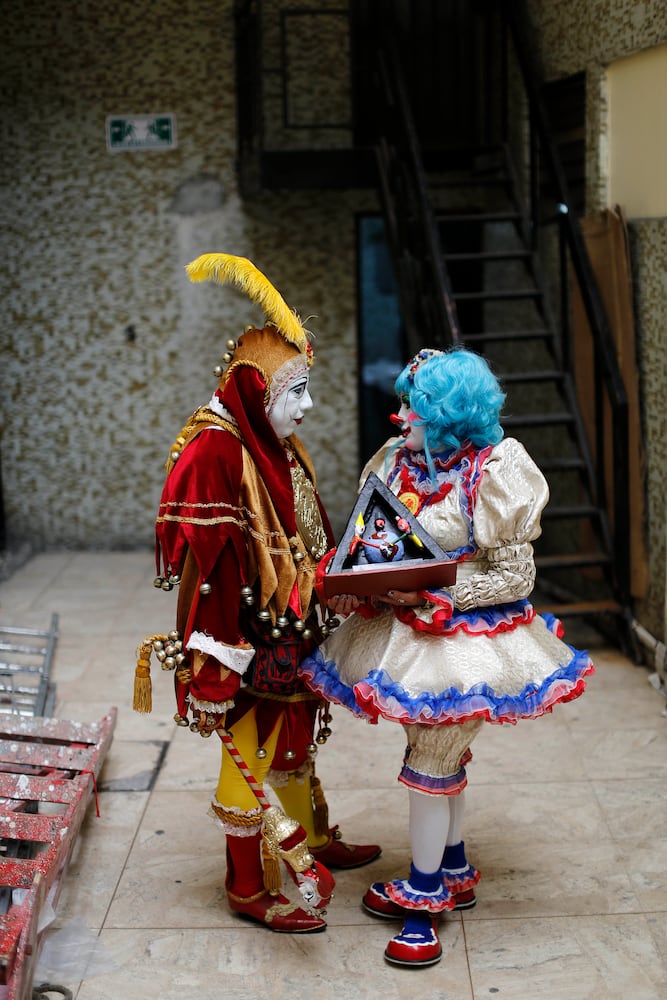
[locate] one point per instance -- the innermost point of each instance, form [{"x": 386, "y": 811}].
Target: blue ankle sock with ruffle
[
  {"x": 424, "y": 881},
  {"x": 454, "y": 856}
]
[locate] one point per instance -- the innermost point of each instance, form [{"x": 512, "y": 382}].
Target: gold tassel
[
  {"x": 271, "y": 865},
  {"x": 222, "y": 267},
  {"x": 320, "y": 808},
  {"x": 143, "y": 690}
]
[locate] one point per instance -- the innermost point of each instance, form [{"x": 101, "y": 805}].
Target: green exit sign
[{"x": 132, "y": 132}]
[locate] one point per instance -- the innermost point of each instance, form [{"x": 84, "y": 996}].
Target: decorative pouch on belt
[{"x": 274, "y": 667}]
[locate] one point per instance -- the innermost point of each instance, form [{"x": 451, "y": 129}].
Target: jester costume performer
[
  {"x": 240, "y": 530},
  {"x": 443, "y": 662}
]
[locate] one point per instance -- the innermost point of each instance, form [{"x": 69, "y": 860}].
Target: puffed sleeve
[{"x": 511, "y": 497}]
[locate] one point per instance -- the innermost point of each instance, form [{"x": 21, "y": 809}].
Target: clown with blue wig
[{"x": 442, "y": 662}]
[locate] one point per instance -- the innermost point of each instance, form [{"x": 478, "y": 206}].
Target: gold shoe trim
[{"x": 246, "y": 899}]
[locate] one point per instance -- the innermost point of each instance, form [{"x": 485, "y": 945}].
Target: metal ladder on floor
[
  {"x": 48, "y": 774},
  {"x": 26, "y": 657}
]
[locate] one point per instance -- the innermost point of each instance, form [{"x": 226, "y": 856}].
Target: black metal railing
[
  {"x": 575, "y": 264},
  {"x": 424, "y": 287},
  {"x": 422, "y": 279}
]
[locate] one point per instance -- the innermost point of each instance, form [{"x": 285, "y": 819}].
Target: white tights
[{"x": 435, "y": 822}]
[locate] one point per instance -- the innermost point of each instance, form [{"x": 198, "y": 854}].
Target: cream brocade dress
[{"x": 490, "y": 657}]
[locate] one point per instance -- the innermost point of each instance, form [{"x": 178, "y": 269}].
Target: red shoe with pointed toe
[
  {"x": 248, "y": 896},
  {"x": 336, "y": 853},
  {"x": 278, "y": 913}
]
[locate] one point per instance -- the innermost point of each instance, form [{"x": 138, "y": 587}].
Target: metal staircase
[
  {"x": 503, "y": 312},
  {"x": 483, "y": 259},
  {"x": 448, "y": 124}
]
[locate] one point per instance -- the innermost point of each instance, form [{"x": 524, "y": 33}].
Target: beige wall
[
  {"x": 588, "y": 35},
  {"x": 94, "y": 249},
  {"x": 637, "y": 147}
]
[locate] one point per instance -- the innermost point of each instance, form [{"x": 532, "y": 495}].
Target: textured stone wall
[
  {"x": 586, "y": 35},
  {"x": 106, "y": 346}
]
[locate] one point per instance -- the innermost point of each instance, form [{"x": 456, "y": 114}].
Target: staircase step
[
  {"x": 507, "y": 335},
  {"x": 537, "y": 376},
  {"x": 441, "y": 183},
  {"x": 537, "y": 420},
  {"x": 555, "y": 511},
  {"x": 491, "y": 158},
  {"x": 560, "y": 464},
  {"x": 579, "y": 608},
  {"x": 488, "y": 256},
  {"x": 479, "y": 217},
  {"x": 575, "y": 560},
  {"x": 498, "y": 295}
]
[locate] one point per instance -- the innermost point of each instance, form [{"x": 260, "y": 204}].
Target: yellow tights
[{"x": 233, "y": 790}]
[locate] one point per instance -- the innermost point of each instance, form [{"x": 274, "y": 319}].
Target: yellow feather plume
[{"x": 223, "y": 267}]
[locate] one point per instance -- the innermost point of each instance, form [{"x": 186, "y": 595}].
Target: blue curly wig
[{"x": 457, "y": 397}]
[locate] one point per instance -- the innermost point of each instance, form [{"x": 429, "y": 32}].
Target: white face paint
[
  {"x": 412, "y": 431},
  {"x": 290, "y": 406}
]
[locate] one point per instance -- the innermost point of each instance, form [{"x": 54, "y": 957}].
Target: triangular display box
[{"x": 423, "y": 567}]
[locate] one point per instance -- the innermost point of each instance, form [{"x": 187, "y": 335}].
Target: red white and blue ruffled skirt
[{"x": 498, "y": 664}]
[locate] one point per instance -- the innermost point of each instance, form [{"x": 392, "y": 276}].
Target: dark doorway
[{"x": 381, "y": 341}]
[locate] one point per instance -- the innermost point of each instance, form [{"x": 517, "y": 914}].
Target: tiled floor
[{"x": 567, "y": 819}]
